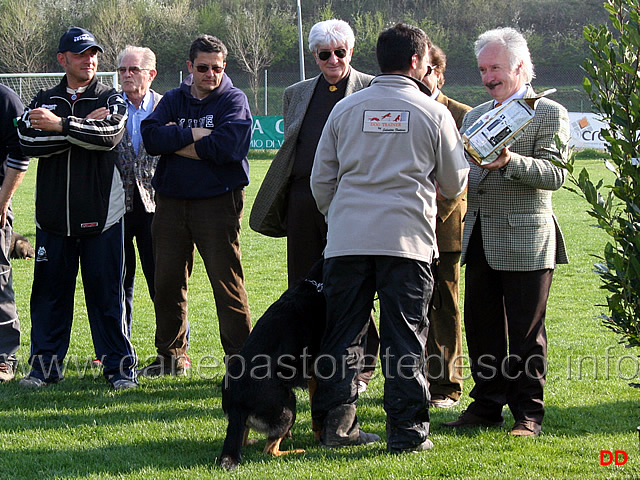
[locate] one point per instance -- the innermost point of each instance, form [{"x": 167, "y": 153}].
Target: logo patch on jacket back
[
  {"x": 89, "y": 225},
  {"x": 384, "y": 121}
]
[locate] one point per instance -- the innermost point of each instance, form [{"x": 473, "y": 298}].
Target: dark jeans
[
  {"x": 137, "y": 224},
  {"x": 101, "y": 260},
  {"x": 213, "y": 226},
  {"x": 404, "y": 287},
  {"x": 306, "y": 240},
  {"x": 505, "y": 311}
]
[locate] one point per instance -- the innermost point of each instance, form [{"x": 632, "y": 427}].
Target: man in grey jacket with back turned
[{"x": 383, "y": 153}]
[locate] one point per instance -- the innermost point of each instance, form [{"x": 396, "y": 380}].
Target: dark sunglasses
[
  {"x": 325, "y": 54},
  {"x": 429, "y": 70},
  {"x": 133, "y": 70},
  {"x": 205, "y": 68}
]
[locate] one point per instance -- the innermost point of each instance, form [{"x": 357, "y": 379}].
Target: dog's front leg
[
  {"x": 317, "y": 429},
  {"x": 246, "y": 440},
  {"x": 273, "y": 448},
  {"x": 236, "y": 434}
]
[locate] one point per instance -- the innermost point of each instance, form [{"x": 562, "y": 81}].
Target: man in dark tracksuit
[
  {"x": 73, "y": 128},
  {"x": 13, "y": 165}
]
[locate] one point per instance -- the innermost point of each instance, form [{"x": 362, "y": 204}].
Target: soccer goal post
[{"x": 26, "y": 85}]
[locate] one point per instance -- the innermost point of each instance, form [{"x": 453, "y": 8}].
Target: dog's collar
[{"x": 319, "y": 286}]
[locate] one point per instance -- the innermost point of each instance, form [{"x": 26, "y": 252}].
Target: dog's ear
[{"x": 21, "y": 247}]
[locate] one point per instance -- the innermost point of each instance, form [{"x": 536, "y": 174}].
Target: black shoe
[
  {"x": 31, "y": 381},
  {"x": 364, "y": 438},
  {"x": 426, "y": 445},
  {"x": 468, "y": 419}
]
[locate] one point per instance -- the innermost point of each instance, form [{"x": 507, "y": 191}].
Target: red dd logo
[{"x": 607, "y": 457}]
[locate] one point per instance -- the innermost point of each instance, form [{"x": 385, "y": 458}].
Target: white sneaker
[
  {"x": 32, "y": 382},
  {"x": 362, "y": 386},
  {"x": 442, "y": 401},
  {"x": 6, "y": 372}
]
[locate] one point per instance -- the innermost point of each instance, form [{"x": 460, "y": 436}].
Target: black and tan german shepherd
[{"x": 258, "y": 386}]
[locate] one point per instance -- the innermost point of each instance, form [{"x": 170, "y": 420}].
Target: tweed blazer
[
  {"x": 268, "y": 214},
  {"x": 519, "y": 230},
  {"x": 451, "y": 211},
  {"x": 138, "y": 170}
]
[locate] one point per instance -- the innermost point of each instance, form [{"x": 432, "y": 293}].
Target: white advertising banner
[{"x": 585, "y": 130}]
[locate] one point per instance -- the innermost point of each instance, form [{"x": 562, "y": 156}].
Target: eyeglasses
[
  {"x": 132, "y": 70},
  {"x": 205, "y": 68},
  {"x": 429, "y": 71},
  {"x": 325, "y": 54}
]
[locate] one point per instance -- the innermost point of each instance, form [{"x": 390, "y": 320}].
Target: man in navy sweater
[{"x": 202, "y": 132}]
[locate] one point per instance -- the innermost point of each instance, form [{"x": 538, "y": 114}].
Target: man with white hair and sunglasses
[{"x": 284, "y": 205}]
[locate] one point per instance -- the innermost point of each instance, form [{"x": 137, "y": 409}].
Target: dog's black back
[{"x": 276, "y": 357}]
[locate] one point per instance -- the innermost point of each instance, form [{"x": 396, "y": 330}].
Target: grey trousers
[{"x": 9, "y": 323}]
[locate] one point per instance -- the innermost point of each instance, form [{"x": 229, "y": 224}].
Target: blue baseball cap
[{"x": 77, "y": 40}]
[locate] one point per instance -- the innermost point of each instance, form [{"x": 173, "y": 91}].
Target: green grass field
[{"x": 173, "y": 428}]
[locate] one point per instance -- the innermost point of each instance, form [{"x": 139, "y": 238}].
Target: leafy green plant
[{"x": 613, "y": 85}]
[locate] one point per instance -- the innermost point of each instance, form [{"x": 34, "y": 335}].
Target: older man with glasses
[
  {"x": 137, "y": 68},
  {"x": 284, "y": 205},
  {"x": 202, "y": 132}
]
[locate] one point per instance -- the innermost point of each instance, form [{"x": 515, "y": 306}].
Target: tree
[
  {"x": 23, "y": 36},
  {"x": 169, "y": 28},
  {"x": 250, "y": 40},
  {"x": 367, "y": 27},
  {"x": 114, "y": 29},
  {"x": 613, "y": 84}
]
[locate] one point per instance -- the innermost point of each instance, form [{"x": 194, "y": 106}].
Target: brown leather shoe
[
  {"x": 468, "y": 419},
  {"x": 177, "y": 366},
  {"x": 526, "y": 428}
]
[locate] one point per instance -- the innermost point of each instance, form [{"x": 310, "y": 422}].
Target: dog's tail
[{"x": 232, "y": 449}]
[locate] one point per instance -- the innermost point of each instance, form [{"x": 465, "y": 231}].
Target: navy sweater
[{"x": 223, "y": 165}]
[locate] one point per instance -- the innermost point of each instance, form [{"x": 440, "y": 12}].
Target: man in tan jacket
[{"x": 444, "y": 344}]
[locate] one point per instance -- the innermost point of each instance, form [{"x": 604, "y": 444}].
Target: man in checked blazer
[
  {"x": 284, "y": 205},
  {"x": 511, "y": 245},
  {"x": 444, "y": 343}
]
